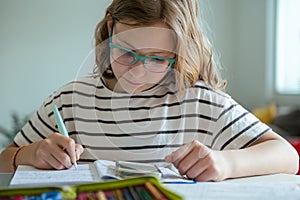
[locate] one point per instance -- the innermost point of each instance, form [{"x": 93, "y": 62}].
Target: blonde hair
[{"x": 195, "y": 58}]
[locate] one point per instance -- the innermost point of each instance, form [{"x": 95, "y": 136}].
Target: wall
[
  {"x": 243, "y": 37},
  {"x": 250, "y": 67},
  {"x": 43, "y": 43}
]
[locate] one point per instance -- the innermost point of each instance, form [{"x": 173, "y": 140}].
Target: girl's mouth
[{"x": 134, "y": 83}]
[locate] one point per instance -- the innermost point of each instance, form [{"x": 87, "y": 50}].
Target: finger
[
  {"x": 207, "y": 175},
  {"x": 67, "y": 145},
  {"x": 194, "y": 157},
  {"x": 48, "y": 161},
  {"x": 179, "y": 153},
  {"x": 53, "y": 163},
  {"x": 70, "y": 149},
  {"x": 198, "y": 168},
  {"x": 79, "y": 150},
  {"x": 61, "y": 156},
  {"x": 198, "y": 153}
]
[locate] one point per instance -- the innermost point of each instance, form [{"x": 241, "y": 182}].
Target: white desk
[{"x": 275, "y": 187}]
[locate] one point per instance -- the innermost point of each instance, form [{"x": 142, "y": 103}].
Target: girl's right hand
[{"x": 55, "y": 152}]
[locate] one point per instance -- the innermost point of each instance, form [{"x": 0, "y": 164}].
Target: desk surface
[
  {"x": 275, "y": 187},
  {"x": 5, "y": 179},
  {"x": 278, "y": 186}
]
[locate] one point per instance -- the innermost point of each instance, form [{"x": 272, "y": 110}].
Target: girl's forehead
[{"x": 155, "y": 36}]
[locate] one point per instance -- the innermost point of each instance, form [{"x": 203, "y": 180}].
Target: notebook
[{"x": 100, "y": 170}]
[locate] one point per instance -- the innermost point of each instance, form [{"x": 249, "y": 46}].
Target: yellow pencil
[
  {"x": 100, "y": 195},
  {"x": 118, "y": 194}
]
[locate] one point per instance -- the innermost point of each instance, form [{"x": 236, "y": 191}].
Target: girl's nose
[{"x": 138, "y": 70}]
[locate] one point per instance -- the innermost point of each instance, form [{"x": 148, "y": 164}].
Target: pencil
[
  {"x": 118, "y": 194},
  {"x": 61, "y": 127},
  {"x": 100, "y": 195},
  {"x": 155, "y": 192}
]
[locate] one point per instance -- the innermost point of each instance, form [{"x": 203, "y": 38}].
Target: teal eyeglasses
[{"x": 127, "y": 57}]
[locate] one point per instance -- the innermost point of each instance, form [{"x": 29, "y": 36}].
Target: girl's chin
[
  {"x": 133, "y": 84},
  {"x": 135, "y": 88}
]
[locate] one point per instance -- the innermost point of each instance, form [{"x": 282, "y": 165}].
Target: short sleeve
[
  {"x": 40, "y": 126},
  {"x": 236, "y": 127}
]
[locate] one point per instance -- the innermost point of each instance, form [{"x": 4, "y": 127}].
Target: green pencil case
[{"x": 74, "y": 191}]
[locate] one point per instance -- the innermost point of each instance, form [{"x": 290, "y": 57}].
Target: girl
[{"x": 155, "y": 97}]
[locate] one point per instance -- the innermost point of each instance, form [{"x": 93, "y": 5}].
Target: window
[{"x": 287, "y": 73}]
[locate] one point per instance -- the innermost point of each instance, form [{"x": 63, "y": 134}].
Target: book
[{"x": 99, "y": 171}]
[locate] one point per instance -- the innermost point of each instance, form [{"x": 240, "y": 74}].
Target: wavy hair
[{"x": 194, "y": 60}]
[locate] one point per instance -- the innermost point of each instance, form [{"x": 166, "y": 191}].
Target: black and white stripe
[{"x": 143, "y": 127}]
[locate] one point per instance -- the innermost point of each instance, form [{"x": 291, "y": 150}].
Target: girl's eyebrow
[
  {"x": 134, "y": 48},
  {"x": 122, "y": 41}
]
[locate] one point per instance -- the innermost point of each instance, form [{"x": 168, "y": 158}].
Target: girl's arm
[
  {"x": 269, "y": 154},
  {"x": 53, "y": 152},
  {"x": 6, "y": 158}
]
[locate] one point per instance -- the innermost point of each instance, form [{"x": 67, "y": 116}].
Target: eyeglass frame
[{"x": 137, "y": 56}]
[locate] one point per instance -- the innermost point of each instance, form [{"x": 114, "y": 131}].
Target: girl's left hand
[{"x": 199, "y": 162}]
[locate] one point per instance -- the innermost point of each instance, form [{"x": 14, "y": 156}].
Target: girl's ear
[{"x": 108, "y": 23}]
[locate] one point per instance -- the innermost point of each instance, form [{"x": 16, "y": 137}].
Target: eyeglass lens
[{"x": 128, "y": 58}]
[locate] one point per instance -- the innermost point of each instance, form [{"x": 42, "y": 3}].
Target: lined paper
[{"x": 28, "y": 175}]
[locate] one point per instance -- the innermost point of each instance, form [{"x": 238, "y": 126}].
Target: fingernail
[{"x": 76, "y": 154}]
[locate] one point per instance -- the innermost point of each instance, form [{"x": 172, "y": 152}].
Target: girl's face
[{"x": 140, "y": 56}]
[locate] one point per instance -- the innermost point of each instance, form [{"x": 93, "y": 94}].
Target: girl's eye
[
  {"x": 129, "y": 55},
  {"x": 156, "y": 61},
  {"x": 125, "y": 56}
]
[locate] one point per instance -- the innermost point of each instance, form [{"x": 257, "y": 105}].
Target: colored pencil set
[
  {"x": 136, "y": 188},
  {"x": 145, "y": 191},
  {"x": 55, "y": 195}
]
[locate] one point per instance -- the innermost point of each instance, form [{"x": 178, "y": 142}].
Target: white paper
[
  {"x": 231, "y": 191},
  {"x": 100, "y": 170},
  {"x": 27, "y": 175}
]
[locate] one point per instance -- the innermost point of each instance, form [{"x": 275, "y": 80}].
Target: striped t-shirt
[{"x": 143, "y": 127}]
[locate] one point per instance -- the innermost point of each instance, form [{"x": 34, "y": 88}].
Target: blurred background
[{"x": 43, "y": 44}]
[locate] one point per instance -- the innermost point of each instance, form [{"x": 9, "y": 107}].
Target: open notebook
[{"x": 98, "y": 171}]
